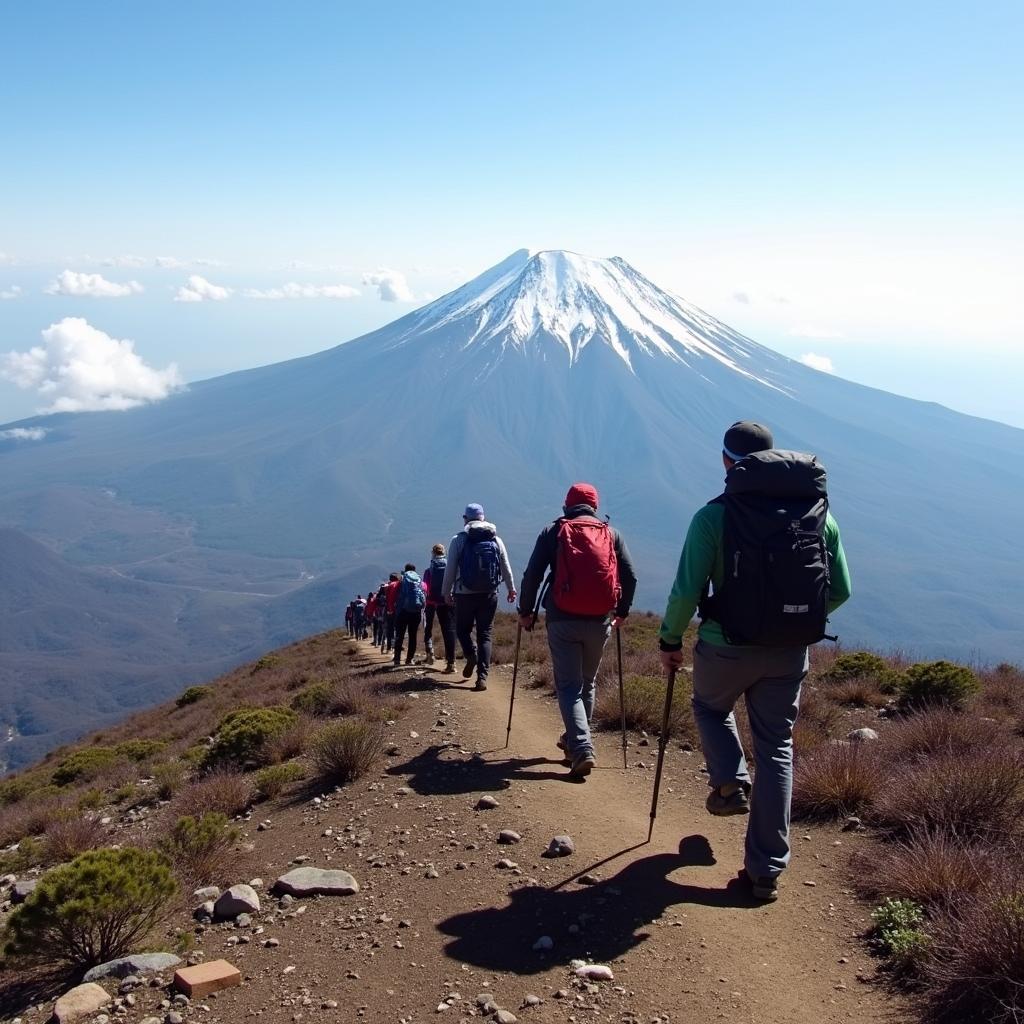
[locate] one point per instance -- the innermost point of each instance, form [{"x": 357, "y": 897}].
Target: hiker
[
  {"x": 371, "y": 614},
  {"x": 433, "y": 584},
  {"x": 359, "y": 617},
  {"x": 350, "y": 616},
  {"x": 589, "y": 592},
  {"x": 390, "y": 610},
  {"x": 765, "y": 566},
  {"x": 378, "y": 619},
  {"x": 408, "y": 608},
  {"x": 477, "y": 564}
]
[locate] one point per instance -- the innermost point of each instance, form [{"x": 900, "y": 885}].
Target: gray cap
[
  {"x": 473, "y": 511},
  {"x": 746, "y": 437}
]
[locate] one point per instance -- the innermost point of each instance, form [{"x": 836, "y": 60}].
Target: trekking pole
[
  {"x": 622, "y": 693},
  {"x": 662, "y": 740},
  {"x": 515, "y": 672}
]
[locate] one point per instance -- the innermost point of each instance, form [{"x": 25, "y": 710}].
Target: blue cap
[{"x": 473, "y": 511}]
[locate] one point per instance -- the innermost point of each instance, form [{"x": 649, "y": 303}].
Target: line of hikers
[{"x": 763, "y": 566}]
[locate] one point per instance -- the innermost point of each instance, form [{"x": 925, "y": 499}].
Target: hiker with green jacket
[{"x": 765, "y": 565}]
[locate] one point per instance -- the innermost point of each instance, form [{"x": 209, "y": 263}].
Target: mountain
[{"x": 551, "y": 367}]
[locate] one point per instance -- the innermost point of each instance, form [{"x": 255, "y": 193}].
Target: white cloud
[
  {"x": 813, "y": 331},
  {"x": 23, "y": 434},
  {"x": 14, "y": 292},
  {"x": 198, "y": 289},
  {"x": 200, "y": 262},
  {"x": 71, "y": 282},
  {"x": 78, "y": 368},
  {"x": 742, "y": 297},
  {"x": 126, "y": 261},
  {"x": 391, "y": 285},
  {"x": 7, "y": 260},
  {"x": 169, "y": 263},
  {"x": 292, "y": 290},
  {"x": 816, "y": 362}
]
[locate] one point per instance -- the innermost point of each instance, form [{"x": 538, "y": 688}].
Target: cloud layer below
[
  {"x": 79, "y": 368},
  {"x": 817, "y": 362},
  {"x": 71, "y": 282},
  {"x": 293, "y": 290}
]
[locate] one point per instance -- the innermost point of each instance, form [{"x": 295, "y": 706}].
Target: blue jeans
[
  {"x": 769, "y": 679},
  {"x": 476, "y": 610},
  {"x": 576, "y": 647}
]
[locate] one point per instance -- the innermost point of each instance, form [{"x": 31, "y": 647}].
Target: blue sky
[{"x": 845, "y": 181}]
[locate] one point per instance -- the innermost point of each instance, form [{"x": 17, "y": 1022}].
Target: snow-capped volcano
[{"x": 572, "y": 301}]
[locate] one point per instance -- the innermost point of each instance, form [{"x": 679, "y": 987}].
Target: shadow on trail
[
  {"x": 611, "y": 915},
  {"x": 441, "y": 770}
]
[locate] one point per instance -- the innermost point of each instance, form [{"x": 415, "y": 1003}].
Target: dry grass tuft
[
  {"x": 68, "y": 836},
  {"x": 222, "y": 791},
  {"x": 939, "y": 731},
  {"x": 344, "y": 751},
  {"x": 645, "y": 706},
  {"x": 836, "y": 780}
]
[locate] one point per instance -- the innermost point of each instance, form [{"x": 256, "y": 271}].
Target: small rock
[
  {"x": 589, "y": 879},
  {"x": 271, "y": 943},
  {"x": 329, "y": 1004},
  {"x": 21, "y": 890},
  {"x": 136, "y": 964},
  {"x": 809, "y": 883},
  {"x": 81, "y": 1001},
  {"x": 239, "y": 899},
  {"x": 544, "y": 944},
  {"x": 532, "y": 1000},
  {"x": 852, "y": 824},
  {"x": 505, "y": 1017},
  {"x": 316, "y": 882},
  {"x": 486, "y": 802},
  {"x": 173, "y": 1017},
  {"x": 864, "y": 735},
  {"x": 595, "y": 972},
  {"x": 506, "y": 865},
  {"x": 506, "y": 837},
  {"x": 561, "y": 846}
]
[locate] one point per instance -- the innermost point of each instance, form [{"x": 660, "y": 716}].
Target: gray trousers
[
  {"x": 769, "y": 680},
  {"x": 576, "y": 647}
]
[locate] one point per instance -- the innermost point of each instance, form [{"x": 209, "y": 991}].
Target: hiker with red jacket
[
  {"x": 390, "y": 610},
  {"x": 589, "y": 590},
  {"x": 379, "y": 610},
  {"x": 433, "y": 585},
  {"x": 371, "y": 612}
]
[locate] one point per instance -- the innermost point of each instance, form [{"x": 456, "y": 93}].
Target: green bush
[
  {"x": 270, "y": 781},
  {"x": 242, "y": 735},
  {"x": 937, "y": 683},
  {"x": 863, "y": 665},
  {"x": 168, "y": 777},
  {"x": 267, "y": 661},
  {"x": 344, "y": 751},
  {"x": 193, "y": 695},
  {"x": 139, "y": 750},
  {"x": 100, "y": 906},
  {"x": 91, "y": 800},
  {"x": 201, "y": 849},
  {"x": 29, "y": 853},
  {"x": 84, "y": 765},
  {"x": 14, "y": 790},
  {"x": 899, "y": 932},
  {"x": 316, "y": 699}
]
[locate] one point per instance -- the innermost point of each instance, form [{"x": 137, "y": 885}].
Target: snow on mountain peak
[{"x": 575, "y": 300}]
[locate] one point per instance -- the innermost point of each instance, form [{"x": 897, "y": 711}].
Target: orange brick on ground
[{"x": 203, "y": 979}]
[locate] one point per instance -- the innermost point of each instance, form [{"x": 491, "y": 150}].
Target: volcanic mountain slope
[{"x": 547, "y": 368}]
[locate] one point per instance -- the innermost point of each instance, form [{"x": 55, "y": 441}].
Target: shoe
[
  {"x": 408, "y": 661},
  {"x": 470, "y": 667},
  {"x": 481, "y": 684},
  {"x": 560, "y": 743},
  {"x": 724, "y": 806},
  {"x": 764, "y": 887},
  {"x": 397, "y": 662},
  {"x": 449, "y": 669},
  {"x": 582, "y": 766},
  {"x": 429, "y": 660}
]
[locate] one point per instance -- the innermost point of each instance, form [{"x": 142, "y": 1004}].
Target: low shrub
[
  {"x": 929, "y": 869},
  {"x": 31, "y": 817},
  {"x": 169, "y": 777},
  {"x": 836, "y": 780},
  {"x": 91, "y": 800},
  {"x": 223, "y": 790},
  {"x": 976, "y": 968},
  {"x": 859, "y": 692},
  {"x": 966, "y": 796},
  {"x": 899, "y": 932},
  {"x": 100, "y": 906},
  {"x": 84, "y": 765},
  {"x": 343, "y": 751},
  {"x": 68, "y": 836},
  {"x": 193, "y": 695},
  {"x": 202, "y": 849},
  {"x": 937, "y": 683},
  {"x": 14, "y": 790},
  {"x": 291, "y": 742},
  {"x": 351, "y": 696},
  {"x": 242, "y": 735},
  {"x": 139, "y": 750},
  {"x": 865, "y": 667},
  {"x": 645, "y": 706},
  {"x": 316, "y": 699},
  {"x": 262, "y": 664},
  {"x": 29, "y": 853},
  {"x": 818, "y": 711},
  {"x": 271, "y": 781}
]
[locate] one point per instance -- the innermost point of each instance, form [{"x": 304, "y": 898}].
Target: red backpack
[{"x": 586, "y": 569}]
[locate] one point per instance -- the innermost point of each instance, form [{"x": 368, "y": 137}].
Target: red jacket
[
  {"x": 371, "y": 606},
  {"x": 392, "y": 605}
]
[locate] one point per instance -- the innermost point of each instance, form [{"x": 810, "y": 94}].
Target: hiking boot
[
  {"x": 560, "y": 743},
  {"x": 582, "y": 766},
  {"x": 449, "y": 669},
  {"x": 470, "y": 667},
  {"x": 723, "y": 806},
  {"x": 397, "y": 662},
  {"x": 429, "y": 660},
  {"x": 764, "y": 888},
  {"x": 408, "y": 661}
]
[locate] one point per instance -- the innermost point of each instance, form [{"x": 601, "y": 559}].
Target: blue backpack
[
  {"x": 410, "y": 593},
  {"x": 436, "y": 578},
  {"x": 480, "y": 562}
]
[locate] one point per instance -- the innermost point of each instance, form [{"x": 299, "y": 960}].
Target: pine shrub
[
  {"x": 864, "y": 666},
  {"x": 193, "y": 695},
  {"x": 139, "y": 750},
  {"x": 343, "y": 751},
  {"x": 271, "y": 781},
  {"x": 242, "y": 735},
  {"x": 937, "y": 683},
  {"x": 316, "y": 699},
  {"x": 84, "y": 765},
  {"x": 201, "y": 849},
  {"x": 169, "y": 776},
  {"x": 100, "y": 906}
]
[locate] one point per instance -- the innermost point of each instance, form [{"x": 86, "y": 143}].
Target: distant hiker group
[{"x": 762, "y": 565}]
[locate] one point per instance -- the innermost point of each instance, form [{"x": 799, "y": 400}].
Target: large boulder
[
  {"x": 80, "y": 1002},
  {"x": 316, "y": 882},
  {"x": 137, "y": 963},
  {"x": 239, "y": 899},
  {"x": 21, "y": 890}
]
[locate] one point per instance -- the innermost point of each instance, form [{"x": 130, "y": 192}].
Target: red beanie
[{"x": 581, "y": 494}]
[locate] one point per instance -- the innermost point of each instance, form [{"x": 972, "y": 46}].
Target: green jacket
[{"x": 702, "y": 559}]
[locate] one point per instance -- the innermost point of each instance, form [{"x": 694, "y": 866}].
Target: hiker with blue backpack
[
  {"x": 433, "y": 585},
  {"x": 408, "y": 609},
  {"x": 477, "y": 565},
  {"x": 764, "y": 565},
  {"x": 589, "y": 591}
]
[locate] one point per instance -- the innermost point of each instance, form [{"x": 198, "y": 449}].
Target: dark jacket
[{"x": 545, "y": 551}]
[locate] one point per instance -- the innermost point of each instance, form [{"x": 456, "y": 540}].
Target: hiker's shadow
[
  {"x": 443, "y": 770},
  {"x": 610, "y": 916}
]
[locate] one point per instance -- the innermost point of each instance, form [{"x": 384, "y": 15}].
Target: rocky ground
[{"x": 461, "y": 911}]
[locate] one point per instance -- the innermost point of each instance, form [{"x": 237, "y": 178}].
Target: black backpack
[{"x": 775, "y": 590}]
